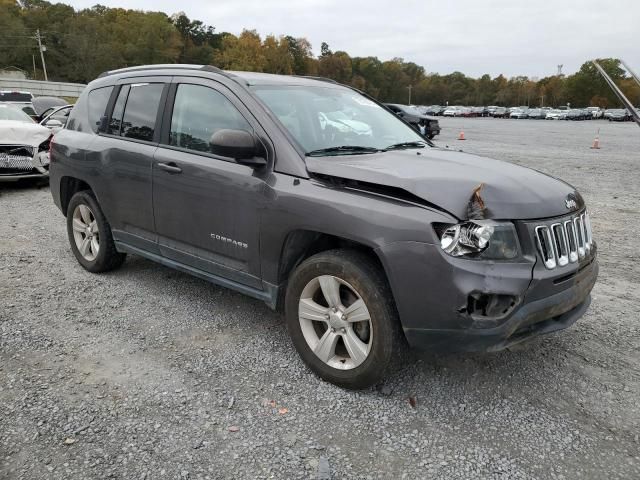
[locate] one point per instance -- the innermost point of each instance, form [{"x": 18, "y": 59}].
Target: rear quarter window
[{"x": 97, "y": 105}]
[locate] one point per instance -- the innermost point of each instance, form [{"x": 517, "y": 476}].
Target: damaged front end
[
  {"x": 24, "y": 161},
  {"x": 24, "y": 152},
  {"x": 490, "y": 284},
  {"x": 508, "y": 254}
]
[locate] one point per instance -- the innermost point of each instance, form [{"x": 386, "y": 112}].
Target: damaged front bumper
[
  {"x": 456, "y": 305},
  {"x": 20, "y": 162}
]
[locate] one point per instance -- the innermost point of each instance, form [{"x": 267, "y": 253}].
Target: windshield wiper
[
  {"x": 343, "y": 149},
  {"x": 404, "y": 145}
]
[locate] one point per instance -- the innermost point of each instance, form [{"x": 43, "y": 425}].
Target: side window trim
[
  {"x": 168, "y": 114},
  {"x": 115, "y": 102}
]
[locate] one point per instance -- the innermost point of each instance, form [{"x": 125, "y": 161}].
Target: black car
[
  {"x": 237, "y": 178},
  {"x": 619, "y": 115},
  {"x": 576, "y": 114},
  {"x": 480, "y": 111},
  {"x": 434, "y": 110},
  {"x": 430, "y": 127},
  {"x": 500, "y": 112}
]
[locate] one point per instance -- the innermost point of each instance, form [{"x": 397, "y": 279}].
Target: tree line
[{"x": 82, "y": 44}]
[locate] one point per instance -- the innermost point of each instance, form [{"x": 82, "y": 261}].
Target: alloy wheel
[
  {"x": 85, "y": 232},
  {"x": 335, "y": 322}
]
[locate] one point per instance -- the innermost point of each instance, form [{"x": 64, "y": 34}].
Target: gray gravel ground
[{"x": 150, "y": 373}]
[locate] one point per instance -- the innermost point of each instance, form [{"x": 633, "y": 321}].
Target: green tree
[
  {"x": 336, "y": 66},
  {"x": 242, "y": 53},
  {"x": 588, "y": 83},
  {"x": 276, "y": 53},
  {"x": 300, "y": 51}
]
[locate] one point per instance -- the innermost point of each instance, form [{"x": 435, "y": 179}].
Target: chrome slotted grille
[
  {"x": 16, "y": 157},
  {"x": 564, "y": 242}
]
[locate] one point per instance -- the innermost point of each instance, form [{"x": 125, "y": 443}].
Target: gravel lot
[{"x": 150, "y": 373}]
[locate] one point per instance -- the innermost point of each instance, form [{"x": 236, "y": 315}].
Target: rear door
[
  {"x": 124, "y": 152},
  {"x": 207, "y": 206}
]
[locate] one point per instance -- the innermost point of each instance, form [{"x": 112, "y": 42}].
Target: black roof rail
[{"x": 172, "y": 66}]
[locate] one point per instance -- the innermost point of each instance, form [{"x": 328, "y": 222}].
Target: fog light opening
[{"x": 488, "y": 305}]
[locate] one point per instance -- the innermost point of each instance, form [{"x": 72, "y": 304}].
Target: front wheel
[{"x": 342, "y": 319}]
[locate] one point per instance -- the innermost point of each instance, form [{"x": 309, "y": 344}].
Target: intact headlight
[{"x": 480, "y": 239}]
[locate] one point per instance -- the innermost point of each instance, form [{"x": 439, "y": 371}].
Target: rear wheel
[
  {"x": 90, "y": 234},
  {"x": 342, "y": 319}
]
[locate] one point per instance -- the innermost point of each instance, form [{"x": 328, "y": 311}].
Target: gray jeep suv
[{"x": 315, "y": 198}]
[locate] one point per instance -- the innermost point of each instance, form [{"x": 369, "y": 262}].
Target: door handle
[{"x": 170, "y": 167}]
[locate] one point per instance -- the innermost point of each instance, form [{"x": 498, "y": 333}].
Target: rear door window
[{"x": 141, "y": 111}]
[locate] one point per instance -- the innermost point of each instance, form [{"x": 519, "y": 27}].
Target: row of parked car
[
  {"x": 543, "y": 113},
  {"x": 27, "y": 124}
]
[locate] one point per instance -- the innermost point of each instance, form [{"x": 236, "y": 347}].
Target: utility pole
[
  {"x": 542, "y": 99},
  {"x": 42, "y": 50},
  {"x": 410, "y": 87},
  {"x": 33, "y": 57}
]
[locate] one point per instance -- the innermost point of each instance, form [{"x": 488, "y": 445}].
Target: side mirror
[
  {"x": 237, "y": 144},
  {"x": 53, "y": 123}
]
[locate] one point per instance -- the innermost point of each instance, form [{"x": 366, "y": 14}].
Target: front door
[{"x": 206, "y": 207}]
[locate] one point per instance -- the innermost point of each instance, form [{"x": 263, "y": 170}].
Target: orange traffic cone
[
  {"x": 461, "y": 136},
  {"x": 596, "y": 143}
]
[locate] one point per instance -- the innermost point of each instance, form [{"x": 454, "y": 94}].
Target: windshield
[
  {"x": 8, "y": 113},
  {"x": 322, "y": 118}
]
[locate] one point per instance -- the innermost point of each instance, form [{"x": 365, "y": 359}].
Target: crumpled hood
[
  {"x": 447, "y": 179},
  {"x": 13, "y": 132}
]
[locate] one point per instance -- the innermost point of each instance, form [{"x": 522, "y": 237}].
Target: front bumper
[
  {"x": 19, "y": 167},
  {"x": 538, "y": 317},
  {"x": 14, "y": 177},
  {"x": 432, "y": 290}
]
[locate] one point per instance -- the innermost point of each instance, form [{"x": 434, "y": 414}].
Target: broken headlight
[{"x": 480, "y": 239}]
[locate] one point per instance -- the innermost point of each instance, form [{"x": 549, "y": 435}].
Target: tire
[
  {"x": 88, "y": 227},
  {"x": 360, "y": 279}
]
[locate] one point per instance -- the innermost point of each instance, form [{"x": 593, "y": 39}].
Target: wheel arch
[
  {"x": 299, "y": 245},
  {"x": 69, "y": 186}
]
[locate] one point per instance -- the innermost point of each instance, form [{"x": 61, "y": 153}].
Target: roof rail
[
  {"x": 173, "y": 66},
  {"x": 321, "y": 79}
]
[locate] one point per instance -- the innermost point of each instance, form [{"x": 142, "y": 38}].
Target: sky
[{"x": 512, "y": 37}]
